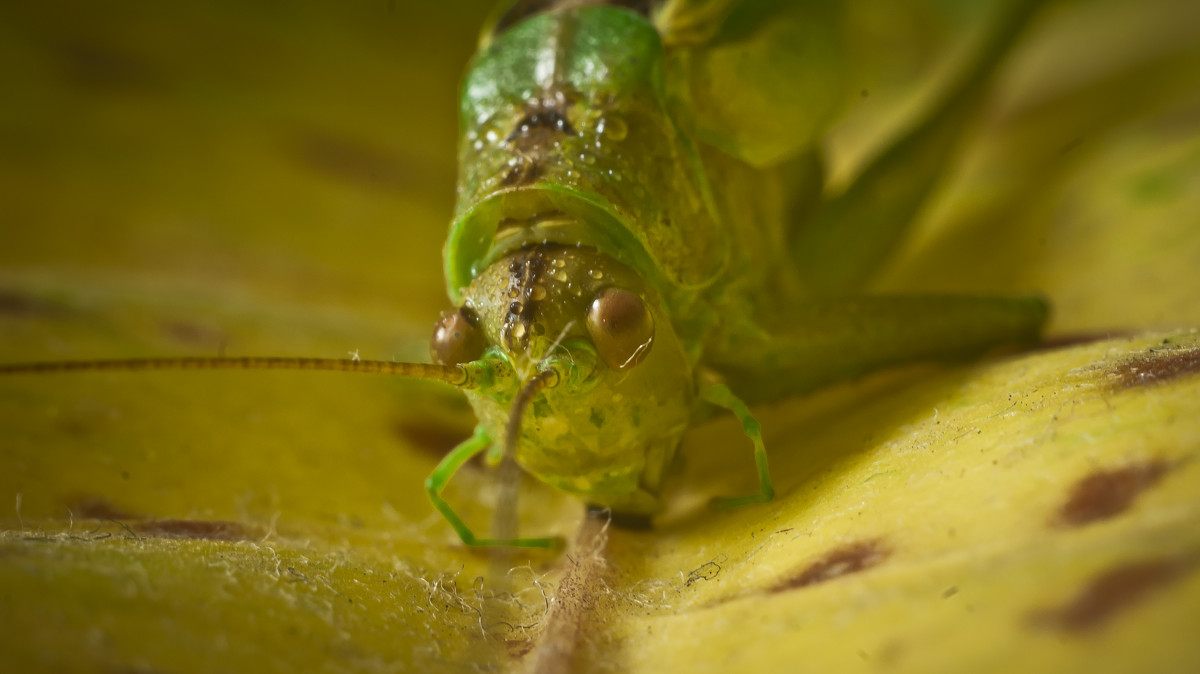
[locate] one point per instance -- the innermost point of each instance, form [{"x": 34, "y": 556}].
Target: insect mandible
[{"x": 633, "y": 247}]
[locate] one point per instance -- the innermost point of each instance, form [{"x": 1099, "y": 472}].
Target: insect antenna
[
  {"x": 505, "y": 519},
  {"x": 468, "y": 376}
]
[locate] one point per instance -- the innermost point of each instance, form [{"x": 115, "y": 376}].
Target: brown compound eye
[
  {"x": 621, "y": 328},
  {"x": 457, "y": 338}
]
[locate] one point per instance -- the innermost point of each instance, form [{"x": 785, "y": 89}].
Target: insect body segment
[{"x": 567, "y": 138}]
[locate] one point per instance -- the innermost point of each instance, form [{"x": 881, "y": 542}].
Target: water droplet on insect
[
  {"x": 537, "y": 293},
  {"x": 559, "y": 263},
  {"x": 560, "y": 276},
  {"x": 518, "y": 331},
  {"x": 513, "y": 293},
  {"x": 478, "y": 145},
  {"x": 596, "y": 273},
  {"x": 492, "y": 136}
]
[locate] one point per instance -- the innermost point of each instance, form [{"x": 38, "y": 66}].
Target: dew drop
[
  {"x": 596, "y": 273},
  {"x": 537, "y": 293}
]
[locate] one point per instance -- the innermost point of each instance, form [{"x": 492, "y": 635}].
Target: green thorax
[{"x": 566, "y": 138}]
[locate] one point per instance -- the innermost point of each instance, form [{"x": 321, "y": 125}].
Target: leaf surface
[{"x": 264, "y": 180}]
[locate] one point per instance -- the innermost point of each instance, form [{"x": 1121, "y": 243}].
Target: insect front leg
[
  {"x": 721, "y": 396},
  {"x": 440, "y": 477},
  {"x": 850, "y": 235}
]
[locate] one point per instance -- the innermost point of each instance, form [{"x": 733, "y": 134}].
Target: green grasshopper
[{"x": 634, "y": 247}]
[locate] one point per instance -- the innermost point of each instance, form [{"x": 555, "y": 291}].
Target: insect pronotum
[{"x": 630, "y": 249}]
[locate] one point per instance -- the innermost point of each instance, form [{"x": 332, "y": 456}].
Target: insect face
[{"x": 608, "y": 432}]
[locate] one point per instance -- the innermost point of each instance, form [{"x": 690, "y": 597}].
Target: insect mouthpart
[
  {"x": 572, "y": 369},
  {"x": 534, "y": 385}
]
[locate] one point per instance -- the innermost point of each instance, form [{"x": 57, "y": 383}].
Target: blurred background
[{"x": 282, "y": 153}]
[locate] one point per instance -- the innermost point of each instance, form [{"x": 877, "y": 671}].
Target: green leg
[
  {"x": 441, "y": 475},
  {"x": 721, "y": 396},
  {"x": 837, "y": 340},
  {"x": 851, "y": 235}
]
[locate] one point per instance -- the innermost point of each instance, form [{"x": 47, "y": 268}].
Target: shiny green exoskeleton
[
  {"x": 644, "y": 234},
  {"x": 634, "y": 257}
]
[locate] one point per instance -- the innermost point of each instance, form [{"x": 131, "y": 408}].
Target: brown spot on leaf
[
  {"x": 98, "y": 508},
  {"x": 13, "y": 303},
  {"x": 841, "y": 561},
  {"x": 518, "y": 648},
  {"x": 359, "y": 163},
  {"x": 1155, "y": 366},
  {"x": 1107, "y": 493},
  {"x": 209, "y": 530},
  {"x": 105, "y": 67},
  {"x": 193, "y": 334},
  {"x": 1112, "y": 592},
  {"x": 75, "y": 427}
]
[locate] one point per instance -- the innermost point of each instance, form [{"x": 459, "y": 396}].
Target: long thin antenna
[
  {"x": 454, "y": 375},
  {"x": 504, "y": 523}
]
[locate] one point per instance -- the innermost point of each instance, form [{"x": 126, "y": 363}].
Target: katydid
[{"x": 631, "y": 249}]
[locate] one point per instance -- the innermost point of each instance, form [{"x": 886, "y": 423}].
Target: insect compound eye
[
  {"x": 621, "y": 328},
  {"x": 457, "y": 338}
]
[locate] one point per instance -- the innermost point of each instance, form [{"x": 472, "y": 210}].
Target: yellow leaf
[{"x": 277, "y": 180}]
